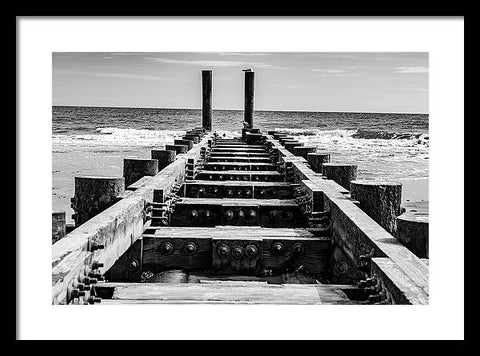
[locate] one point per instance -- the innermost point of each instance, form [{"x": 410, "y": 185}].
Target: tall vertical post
[
  {"x": 249, "y": 94},
  {"x": 207, "y": 100}
]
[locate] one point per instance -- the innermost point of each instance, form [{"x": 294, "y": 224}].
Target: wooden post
[
  {"x": 177, "y": 148},
  {"x": 412, "y": 231},
  {"x": 316, "y": 161},
  {"x": 164, "y": 157},
  {"x": 58, "y": 225},
  {"x": 381, "y": 201},
  {"x": 207, "y": 100},
  {"x": 188, "y": 143},
  {"x": 249, "y": 97},
  {"x": 134, "y": 169},
  {"x": 289, "y": 145},
  {"x": 95, "y": 194},
  {"x": 302, "y": 151},
  {"x": 343, "y": 174}
]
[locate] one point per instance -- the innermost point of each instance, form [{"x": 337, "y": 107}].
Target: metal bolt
[
  {"x": 166, "y": 248},
  {"x": 228, "y": 215},
  {"x": 194, "y": 213},
  {"x": 277, "y": 248},
  {"x": 96, "y": 246},
  {"x": 208, "y": 214},
  {"x": 297, "y": 248},
  {"x": 241, "y": 214},
  {"x": 96, "y": 265},
  {"x": 76, "y": 293},
  {"x": 190, "y": 248},
  {"x": 132, "y": 264},
  {"x": 88, "y": 280},
  {"x": 238, "y": 252},
  {"x": 252, "y": 213},
  {"x": 273, "y": 215},
  {"x": 223, "y": 250},
  {"x": 251, "y": 250},
  {"x": 93, "y": 300}
]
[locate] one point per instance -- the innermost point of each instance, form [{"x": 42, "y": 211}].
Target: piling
[
  {"x": 179, "y": 149},
  {"x": 59, "y": 227},
  {"x": 342, "y": 174},
  {"x": 380, "y": 200},
  {"x": 302, "y": 151},
  {"x": 289, "y": 145},
  {"x": 164, "y": 157},
  {"x": 316, "y": 161},
  {"x": 249, "y": 97},
  {"x": 412, "y": 232},
  {"x": 188, "y": 143},
  {"x": 95, "y": 194},
  {"x": 207, "y": 99},
  {"x": 134, "y": 169}
]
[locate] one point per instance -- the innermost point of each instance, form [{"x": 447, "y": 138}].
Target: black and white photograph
[
  {"x": 267, "y": 194},
  {"x": 244, "y": 178}
]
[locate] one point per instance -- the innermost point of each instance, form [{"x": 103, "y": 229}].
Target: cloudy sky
[{"x": 362, "y": 82}]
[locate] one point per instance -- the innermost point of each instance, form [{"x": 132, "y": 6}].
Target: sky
[{"x": 300, "y": 81}]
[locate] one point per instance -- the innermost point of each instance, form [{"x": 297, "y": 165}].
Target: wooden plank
[
  {"x": 230, "y": 293},
  {"x": 313, "y": 255},
  {"x": 402, "y": 289},
  {"x": 265, "y": 159}
]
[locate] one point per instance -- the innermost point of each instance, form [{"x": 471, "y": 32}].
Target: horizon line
[{"x": 267, "y": 110}]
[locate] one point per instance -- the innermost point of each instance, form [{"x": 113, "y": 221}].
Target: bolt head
[
  {"x": 277, "y": 248},
  {"x": 238, "y": 252},
  {"x": 251, "y": 250},
  {"x": 228, "y": 215},
  {"x": 190, "y": 248},
  {"x": 297, "y": 249},
  {"x": 223, "y": 250},
  {"x": 166, "y": 248}
]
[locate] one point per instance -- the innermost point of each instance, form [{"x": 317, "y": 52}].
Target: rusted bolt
[
  {"x": 238, "y": 252},
  {"x": 251, "y": 250},
  {"x": 194, "y": 214},
  {"x": 96, "y": 265},
  {"x": 166, "y": 248},
  {"x": 277, "y": 248},
  {"x": 223, "y": 250},
  {"x": 228, "y": 215},
  {"x": 190, "y": 248},
  {"x": 241, "y": 214}
]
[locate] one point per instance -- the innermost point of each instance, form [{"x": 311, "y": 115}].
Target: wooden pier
[{"x": 251, "y": 219}]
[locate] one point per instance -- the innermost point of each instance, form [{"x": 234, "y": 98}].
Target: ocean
[{"x": 94, "y": 141}]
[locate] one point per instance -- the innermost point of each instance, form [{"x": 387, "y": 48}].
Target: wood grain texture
[{"x": 227, "y": 292}]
